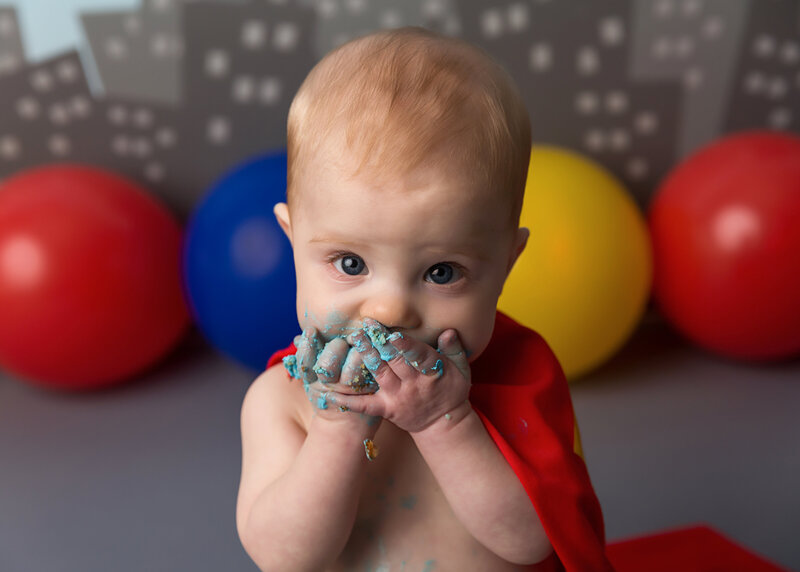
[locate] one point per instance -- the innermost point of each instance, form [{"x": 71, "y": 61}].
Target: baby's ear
[
  {"x": 281, "y": 211},
  {"x": 520, "y": 241}
]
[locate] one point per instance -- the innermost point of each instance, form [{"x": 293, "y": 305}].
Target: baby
[{"x": 411, "y": 426}]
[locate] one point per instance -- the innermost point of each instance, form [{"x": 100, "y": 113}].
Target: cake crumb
[{"x": 371, "y": 449}]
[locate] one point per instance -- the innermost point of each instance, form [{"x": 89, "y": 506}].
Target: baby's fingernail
[{"x": 359, "y": 341}]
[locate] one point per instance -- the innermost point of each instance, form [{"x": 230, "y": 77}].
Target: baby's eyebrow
[
  {"x": 444, "y": 252},
  {"x": 474, "y": 255},
  {"x": 336, "y": 239}
]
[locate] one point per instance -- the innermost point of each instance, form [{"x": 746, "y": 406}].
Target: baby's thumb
[{"x": 449, "y": 345}]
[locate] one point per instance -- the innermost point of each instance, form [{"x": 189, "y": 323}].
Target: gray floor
[{"x": 144, "y": 476}]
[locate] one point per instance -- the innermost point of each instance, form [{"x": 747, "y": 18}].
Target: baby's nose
[{"x": 392, "y": 309}]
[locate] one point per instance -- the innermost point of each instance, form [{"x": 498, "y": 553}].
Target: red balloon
[
  {"x": 726, "y": 238},
  {"x": 90, "y": 283}
]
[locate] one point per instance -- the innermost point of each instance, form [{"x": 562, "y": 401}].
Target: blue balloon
[{"x": 238, "y": 265}]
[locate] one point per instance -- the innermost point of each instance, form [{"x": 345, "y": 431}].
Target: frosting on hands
[
  {"x": 418, "y": 384},
  {"x": 328, "y": 369}
]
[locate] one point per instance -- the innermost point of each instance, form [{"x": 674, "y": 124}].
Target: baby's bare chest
[{"x": 405, "y": 523}]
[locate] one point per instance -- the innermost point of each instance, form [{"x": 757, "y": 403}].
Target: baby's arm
[
  {"x": 298, "y": 492},
  {"x": 424, "y": 391},
  {"x": 485, "y": 494}
]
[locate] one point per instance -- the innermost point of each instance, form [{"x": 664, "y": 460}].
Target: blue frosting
[
  {"x": 290, "y": 363},
  {"x": 438, "y": 367}
]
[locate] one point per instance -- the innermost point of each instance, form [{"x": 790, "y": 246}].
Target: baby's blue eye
[
  {"x": 440, "y": 273},
  {"x": 350, "y": 264}
]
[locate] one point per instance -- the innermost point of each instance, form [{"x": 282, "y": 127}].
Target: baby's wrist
[
  {"x": 447, "y": 422},
  {"x": 348, "y": 423}
]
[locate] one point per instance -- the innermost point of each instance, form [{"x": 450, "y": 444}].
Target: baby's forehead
[
  {"x": 432, "y": 218},
  {"x": 328, "y": 180},
  {"x": 388, "y": 193}
]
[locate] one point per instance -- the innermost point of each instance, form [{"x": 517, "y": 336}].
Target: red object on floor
[{"x": 695, "y": 549}]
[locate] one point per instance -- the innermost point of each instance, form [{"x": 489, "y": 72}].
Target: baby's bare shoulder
[
  {"x": 273, "y": 382},
  {"x": 273, "y": 398}
]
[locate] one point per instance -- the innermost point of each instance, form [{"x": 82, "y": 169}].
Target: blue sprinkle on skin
[
  {"x": 447, "y": 416},
  {"x": 437, "y": 368},
  {"x": 335, "y": 320},
  {"x": 321, "y": 371},
  {"x": 408, "y": 502},
  {"x": 290, "y": 364},
  {"x": 322, "y": 401},
  {"x": 371, "y": 419},
  {"x": 429, "y": 566}
]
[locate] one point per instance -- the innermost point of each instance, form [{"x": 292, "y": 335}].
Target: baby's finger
[
  {"x": 450, "y": 346},
  {"x": 310, "y": 347},
  {"x": 379, "y": 369},
  {"x": 379, "y": 338},
  {"x": 369, "y": 355},
  {"x": 290, "y": 362},
  {"x": 317, "y": 397},
  {"x": 330, "y": 361},
  {"x": 370, "y": 405},
  {"x": 419, "y": 355},
  {"x": 356, "y": 375}
]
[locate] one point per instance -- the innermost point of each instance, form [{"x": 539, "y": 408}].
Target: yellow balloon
[{"x": 584, "y": 278}]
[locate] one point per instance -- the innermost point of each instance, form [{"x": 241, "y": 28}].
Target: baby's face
[{"x": 420, "y": 256}]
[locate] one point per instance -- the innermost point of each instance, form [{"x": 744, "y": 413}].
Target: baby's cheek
[
  {"x": 330, "y": 323},
  {"x": 476, "y": 337}
]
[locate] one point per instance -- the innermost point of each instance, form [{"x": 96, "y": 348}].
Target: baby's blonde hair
[{"x": 398, "y": 99}]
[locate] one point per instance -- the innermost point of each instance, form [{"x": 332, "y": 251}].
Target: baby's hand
[
  {"x": 418, "y": 384},
  {"x": 328, "y": 368}
]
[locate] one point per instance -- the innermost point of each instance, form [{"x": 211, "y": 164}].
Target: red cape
[{"x": 526, "y": 408}]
